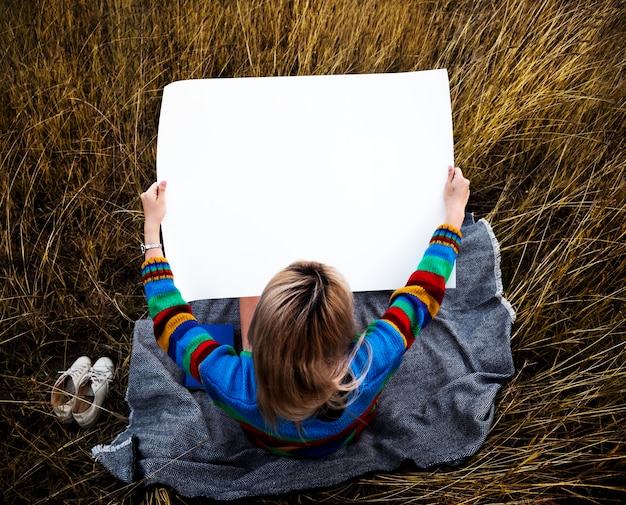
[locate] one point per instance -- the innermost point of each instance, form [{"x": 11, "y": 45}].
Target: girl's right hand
[{"x": 455, "y": 195}]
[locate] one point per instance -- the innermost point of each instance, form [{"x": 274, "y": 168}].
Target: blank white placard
[{"x": 348, "y": 170}]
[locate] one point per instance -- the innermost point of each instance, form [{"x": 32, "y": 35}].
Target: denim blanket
[{"x": 437, "y": 409}]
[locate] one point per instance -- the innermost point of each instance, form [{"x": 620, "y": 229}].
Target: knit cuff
[
  {"x": 156, "y": 268},
  {"x": 447, "y": 235}
]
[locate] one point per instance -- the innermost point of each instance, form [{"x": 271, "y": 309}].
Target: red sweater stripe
[{"x": 201, "y": 352}]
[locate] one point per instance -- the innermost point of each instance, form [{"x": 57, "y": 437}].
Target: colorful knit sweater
[{"x": 229, "y": 377}]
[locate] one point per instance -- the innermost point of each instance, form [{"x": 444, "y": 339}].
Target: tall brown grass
[{"x": 539, "y": 104}]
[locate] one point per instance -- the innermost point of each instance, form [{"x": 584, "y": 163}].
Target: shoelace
[
  {"x": 99, "y": 375},
  {"x": 75, "y": 373}
]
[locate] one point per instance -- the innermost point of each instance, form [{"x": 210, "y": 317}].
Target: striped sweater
[{"x": 229, "y": 379}]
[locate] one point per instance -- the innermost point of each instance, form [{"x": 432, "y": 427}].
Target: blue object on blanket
[
  {"x": 437, "y": 408},
  {"x": 222, "y": 333}
]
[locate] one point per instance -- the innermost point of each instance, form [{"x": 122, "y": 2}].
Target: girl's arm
[
  {"x": 176, "y": 329},
  {"x": 413, "y": 306}
]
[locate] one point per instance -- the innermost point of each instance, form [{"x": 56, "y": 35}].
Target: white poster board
[{"x": 348, "y": 170}]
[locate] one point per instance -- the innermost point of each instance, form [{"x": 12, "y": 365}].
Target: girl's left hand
[{"x": 153, "y": 201}]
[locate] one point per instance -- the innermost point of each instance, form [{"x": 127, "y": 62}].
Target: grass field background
[{"x": 539, "y": 105}]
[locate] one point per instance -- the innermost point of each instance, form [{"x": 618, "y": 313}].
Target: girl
[{"x": 309, "y": 386}]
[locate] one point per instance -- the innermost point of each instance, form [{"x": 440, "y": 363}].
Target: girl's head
[{"x": 301, "y": 333}]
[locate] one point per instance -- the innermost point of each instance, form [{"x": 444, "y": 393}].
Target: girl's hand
[
  {"x": 455, "y": 195},
  {"x": 153, "y": 201}
]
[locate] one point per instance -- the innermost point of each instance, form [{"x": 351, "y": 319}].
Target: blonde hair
[{"x": 301, "y": 333}]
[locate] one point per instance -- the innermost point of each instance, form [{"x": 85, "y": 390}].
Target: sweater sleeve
[
  {"x": 412, "y": 307},
  {"x": 176, "y": 329}
]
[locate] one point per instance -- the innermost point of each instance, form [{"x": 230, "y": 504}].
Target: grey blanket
[{"x": 437, "y": 409}]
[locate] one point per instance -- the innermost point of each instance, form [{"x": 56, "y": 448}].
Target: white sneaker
[
  {"x": 65, "y": 388},
  {"x": 92, "y": 390}
]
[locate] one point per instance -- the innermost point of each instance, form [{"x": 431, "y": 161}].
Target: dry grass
[{"x": 539, "y": 100}]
